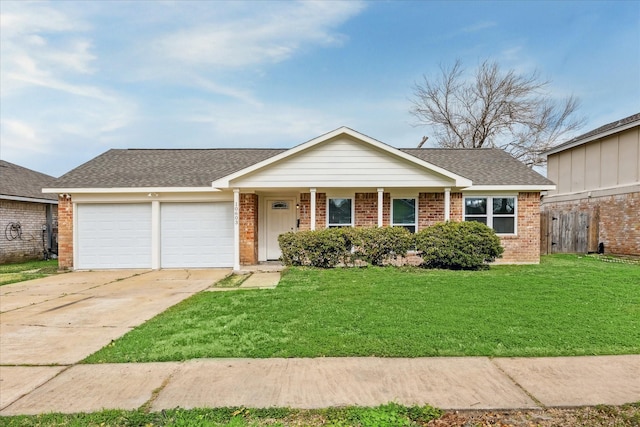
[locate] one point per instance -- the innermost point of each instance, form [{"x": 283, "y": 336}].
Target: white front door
[{"x": 281, "y": 217}]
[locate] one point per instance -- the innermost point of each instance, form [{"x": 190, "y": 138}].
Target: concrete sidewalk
[{"x": 447, "y": 383}]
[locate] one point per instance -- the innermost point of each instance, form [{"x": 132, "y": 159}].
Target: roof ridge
[{"x": 451, "y": 149}]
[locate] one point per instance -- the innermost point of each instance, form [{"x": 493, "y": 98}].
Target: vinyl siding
[
  {"x": 343, "y": 162},
  {"x": 610, "y": 162}
]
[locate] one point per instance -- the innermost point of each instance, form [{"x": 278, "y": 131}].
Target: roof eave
[
  {"x": 571, "y": 144},
  {"x": 94, "y": 190},
  {"x": 526, "y": 188},
  {"x": 28, "y": 199}
]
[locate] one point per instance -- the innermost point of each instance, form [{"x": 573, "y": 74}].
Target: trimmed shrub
[
  {"x": 466, "y": 245},
  {"x": 293, "y": 252},
  {"x": 379, "y": 245},
  {"x": 322, "y": 248}
]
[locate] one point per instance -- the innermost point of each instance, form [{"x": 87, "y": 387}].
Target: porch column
[
  {"x": 447, "y": 204},
  {"x": 312, "y": 208},
  {"x": 380, "y": 205},
  {"x": 236, "y": 229}
]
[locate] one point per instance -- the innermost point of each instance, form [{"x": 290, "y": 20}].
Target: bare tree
[{"x": 511, "y": 111}]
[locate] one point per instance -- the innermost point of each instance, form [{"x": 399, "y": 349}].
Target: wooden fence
[{"x": 569, "y": 231}]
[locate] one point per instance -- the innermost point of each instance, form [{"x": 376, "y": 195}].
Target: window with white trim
[
  {"x": 339, "y": 212},
  {"x": 497, "y": 212},
  {"x": 403, "y": 213}
]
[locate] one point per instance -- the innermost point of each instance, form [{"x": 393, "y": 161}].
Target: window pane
[
  {"x": 475, "y": 206},
  {"x": 477, "y": 219},
  {"x": 504, "y": 225},
  {"x": 404, "y": 211},
  {"x": 504, "y": 205},
  {"x": 339, "y": 211}
]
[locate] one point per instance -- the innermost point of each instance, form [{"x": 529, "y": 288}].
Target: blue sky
[{"x": 81, "y": 77}]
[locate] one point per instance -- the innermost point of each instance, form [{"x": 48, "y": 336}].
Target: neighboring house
[
  {"x": 226, "y": 207},
  {"x": 596, "y": 204},
  {"x": 28, "y": 217}
]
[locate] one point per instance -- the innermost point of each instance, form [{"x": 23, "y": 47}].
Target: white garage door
[
  {"x": 114, "y": 236},
  {"x": 196, "y": 235}
]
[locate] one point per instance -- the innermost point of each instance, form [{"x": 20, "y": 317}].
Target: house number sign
[{"x": 236, "y": 213}]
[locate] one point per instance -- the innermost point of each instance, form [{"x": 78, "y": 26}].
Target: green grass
[
  {"x": 567, "y": 305},
  {"x": 13, "y": 273},
  {"x": 390, "y": 415}
]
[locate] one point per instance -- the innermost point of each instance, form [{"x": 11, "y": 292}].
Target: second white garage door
[{"x": 196, "y": 235}]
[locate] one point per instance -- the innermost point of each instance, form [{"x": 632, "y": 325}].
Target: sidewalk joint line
[
  {"x": 524, "y": 390},
  {"x": 146, "y": 406},
  {"x": 66, "y": 368}
]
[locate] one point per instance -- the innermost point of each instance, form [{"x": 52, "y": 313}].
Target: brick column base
[
  {"x": 65, "y": 233},
  {"x": 248, "y": 229}
]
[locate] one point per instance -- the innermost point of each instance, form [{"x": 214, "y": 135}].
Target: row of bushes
[{"x": 450, "y": 245}]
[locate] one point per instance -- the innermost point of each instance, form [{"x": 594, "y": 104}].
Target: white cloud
[
  {"x": 238, "y": 94},
  {"x": 266, "y": 36},
  {"x": 40, "y": 44},
  {"x": 65, "y": 67},
  {"x": 20, "y": 139},
  {"x": 24, "y": 18},
  {"x": 268, "y": 126},
  {"x": 46, "y": 77},
  {"x": 479, "y": 26}
]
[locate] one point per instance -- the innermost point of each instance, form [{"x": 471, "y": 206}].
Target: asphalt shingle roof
[
  {"x": 483, "y": 166},
  {"x": 161, "y": 168},
  {"x": 199, "y": 167},
  {"x": 18, "y": 181},
  {"x": 602, "y": 129}
]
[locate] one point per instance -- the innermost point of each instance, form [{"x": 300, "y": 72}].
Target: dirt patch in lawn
[{"x": 625, "y": 415}]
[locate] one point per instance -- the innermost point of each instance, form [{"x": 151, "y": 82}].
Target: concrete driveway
[{"x": 60, "y": 320}]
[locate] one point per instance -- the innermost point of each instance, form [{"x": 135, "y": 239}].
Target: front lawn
[
  {"x": 19, "y": 272},
  {"x": 389, "y": 415},
  {"x": 567, "y": 305}
]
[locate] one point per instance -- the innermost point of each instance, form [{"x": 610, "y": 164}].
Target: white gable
[{"x": 343, "y": 161}]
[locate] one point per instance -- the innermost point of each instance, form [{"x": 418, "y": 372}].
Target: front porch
[{"x": 260, "y": 217}]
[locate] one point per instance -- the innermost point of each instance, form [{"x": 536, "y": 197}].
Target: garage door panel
[
  {"x": 114, "y": 236},
  {"x": 196, "y": 235}
]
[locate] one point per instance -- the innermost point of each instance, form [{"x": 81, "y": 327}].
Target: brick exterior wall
[
  {"x": 525, "y": 247},
  {"x": 24, "y": 243},
  {"x": 321, "y": 211},
  {"x": 455, "y": 207},
  {"x": 65, "y": 233},
  {"x": 305, "y": 211},
  {"x": 619, "y": 224},
  {"x": 430, "y": 209},
  {"x": 248, "y": 229},
  {"x": 366, "y": 209}
]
